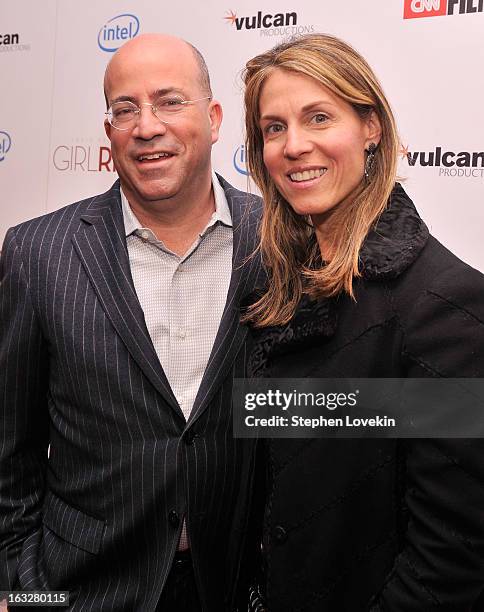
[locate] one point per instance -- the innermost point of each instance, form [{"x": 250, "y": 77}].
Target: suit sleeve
[
  {"x": 23, "y": 412},
  {"x": 441, "y": 565}
]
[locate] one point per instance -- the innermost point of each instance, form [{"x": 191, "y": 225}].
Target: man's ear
[
  {"x": 107, "y": 128},
  {"x": 373, "y": 129},
  {"x": 215, "y": 113}
]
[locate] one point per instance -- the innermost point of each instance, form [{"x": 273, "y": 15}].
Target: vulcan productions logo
[
  {"x": 5, "y": 144},
  {"x": 85, "y": 157},
  {"x": 436, "y": 8},
  {"x": 117, "y": 31},
  {"x": 269, "y": 24},
  {"x": 11, "y": 42},
  {"x": 462, "y": 164}
]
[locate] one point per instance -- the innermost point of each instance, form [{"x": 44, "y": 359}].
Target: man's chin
[{"x": 151, "y": 193}]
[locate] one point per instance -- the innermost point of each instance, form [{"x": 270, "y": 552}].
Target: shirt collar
[{"x": 222, "y": 211}]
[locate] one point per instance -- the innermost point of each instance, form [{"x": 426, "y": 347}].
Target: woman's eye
[
  {"x": 319, "y": 118},
  {"x": 274, "y": 128}
]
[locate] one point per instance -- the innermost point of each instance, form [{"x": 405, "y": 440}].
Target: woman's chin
[{"x": 309, "y": 208}]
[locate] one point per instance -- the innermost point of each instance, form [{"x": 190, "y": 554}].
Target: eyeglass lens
[{"x": 166, "y": 108}]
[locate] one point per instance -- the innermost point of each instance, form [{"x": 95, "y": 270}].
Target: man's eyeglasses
[{"x": 168, "y": 109}]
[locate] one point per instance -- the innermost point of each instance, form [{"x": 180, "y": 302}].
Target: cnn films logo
[
  {"x": 461, "y": 164},
  {"x": 435, "y": 8},
  {"x": 117, "y": 31},
  {"x": 11, "y": 42},
  {"x": 269, "y": 24},
  {"x": 5, "y": 144},
  {"x": 239, "y": 161},
  {"x": 83, "y": 158}
]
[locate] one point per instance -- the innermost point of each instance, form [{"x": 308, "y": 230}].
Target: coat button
[
  {"x": 280, "y": 534},
  {"x": 190, "y": 437},
  {"x": 173, "y": 518}
]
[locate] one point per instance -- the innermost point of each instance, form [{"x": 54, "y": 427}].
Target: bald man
[{"x": 119, "y": 342}]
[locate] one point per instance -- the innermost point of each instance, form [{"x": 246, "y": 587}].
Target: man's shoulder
[
  {"x": 66, "y": 219},
  {"x": 249, "y": 201}
]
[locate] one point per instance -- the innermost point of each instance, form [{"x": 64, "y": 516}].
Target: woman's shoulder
[
  {"x": 440, "y": 305},
  {"x": 401, "y": 249},
  {"x": 437, "y": 299},
  {"x": 439, "y": 274}
]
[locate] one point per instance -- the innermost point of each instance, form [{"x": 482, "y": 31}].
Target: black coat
[
  {"x": 102, "y": 516},
  {"x": 381, "y": 524}
]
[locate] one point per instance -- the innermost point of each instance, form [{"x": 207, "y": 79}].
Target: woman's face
[{"x": 314, "y": 142}]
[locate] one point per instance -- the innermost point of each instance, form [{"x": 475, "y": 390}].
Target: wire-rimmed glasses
[{"x": 124, "y": 115}]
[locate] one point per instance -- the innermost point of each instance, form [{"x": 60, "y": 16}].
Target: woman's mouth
[{"x": 307, "y": 175}]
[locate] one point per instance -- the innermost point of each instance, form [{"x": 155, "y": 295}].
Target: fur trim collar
[{"x": 389, "y": 249}]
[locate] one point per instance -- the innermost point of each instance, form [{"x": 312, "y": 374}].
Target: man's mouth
[
  {"x": 153, "y": 156},
  {"x": 307, "y": 175}
]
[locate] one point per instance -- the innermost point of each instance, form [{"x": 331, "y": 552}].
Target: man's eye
[
  {"x": 170, "y": 103},
  {"x": 123, "y": 111}
]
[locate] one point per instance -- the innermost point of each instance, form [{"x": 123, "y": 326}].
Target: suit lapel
[
  {"x": 101, "y": 246},
  {"x": 246, "y": 271}
]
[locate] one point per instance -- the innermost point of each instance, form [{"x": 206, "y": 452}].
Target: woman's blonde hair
[{"x": 287, "y": 241}]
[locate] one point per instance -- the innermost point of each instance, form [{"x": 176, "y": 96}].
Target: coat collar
[
  {"x": 246, "y": 211},
  {"x": 396, "y": 240},
  {"x": 101, "y": 245},
  {"x": 390, "y": 248}
]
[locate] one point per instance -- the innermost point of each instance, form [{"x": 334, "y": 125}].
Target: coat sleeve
[
  {"x": 441, "y": 565},
  {"x": 23, "y": 412}
]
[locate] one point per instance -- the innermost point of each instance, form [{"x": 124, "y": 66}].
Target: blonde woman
[{"x": 357, "y": 288}]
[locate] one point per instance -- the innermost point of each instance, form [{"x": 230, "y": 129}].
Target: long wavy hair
[{"x": 288, "y": 243}]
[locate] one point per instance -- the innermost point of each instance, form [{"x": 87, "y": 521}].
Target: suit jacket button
[
  {"x": 280, "y": 534},
  {"x": 190, "y": 437},
  {"x": 173, "y": 518}
]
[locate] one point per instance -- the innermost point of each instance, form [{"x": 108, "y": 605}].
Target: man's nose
[
  {"x": 297, "y": 142},
  {"x": 148, "y": 124}
]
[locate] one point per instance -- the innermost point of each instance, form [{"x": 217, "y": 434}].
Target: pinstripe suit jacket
[{"x": 101, "y": 516}]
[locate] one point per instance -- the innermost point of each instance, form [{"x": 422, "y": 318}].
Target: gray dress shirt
[{"x": 182, "y": 297}]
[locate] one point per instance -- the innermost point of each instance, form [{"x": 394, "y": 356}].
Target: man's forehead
[
  {"x": 151, "y": 72},
  {"x": 150, "y": 52}
]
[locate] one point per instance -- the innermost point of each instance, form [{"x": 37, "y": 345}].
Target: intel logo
[
  {"x": 117, "y": 31},
  {"x": 5, "y": 144},
  {"x": 240, "y": 161}
]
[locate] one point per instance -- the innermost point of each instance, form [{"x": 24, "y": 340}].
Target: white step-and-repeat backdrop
[{"x": 428, "y": 54}]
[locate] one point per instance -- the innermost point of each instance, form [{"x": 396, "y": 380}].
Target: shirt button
[
  {"x": 182, "y": 333},
  {"x": 280, "y": 534},
  {"x": 173, "y": 518},
  {"x": 145, "y": 234}
]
